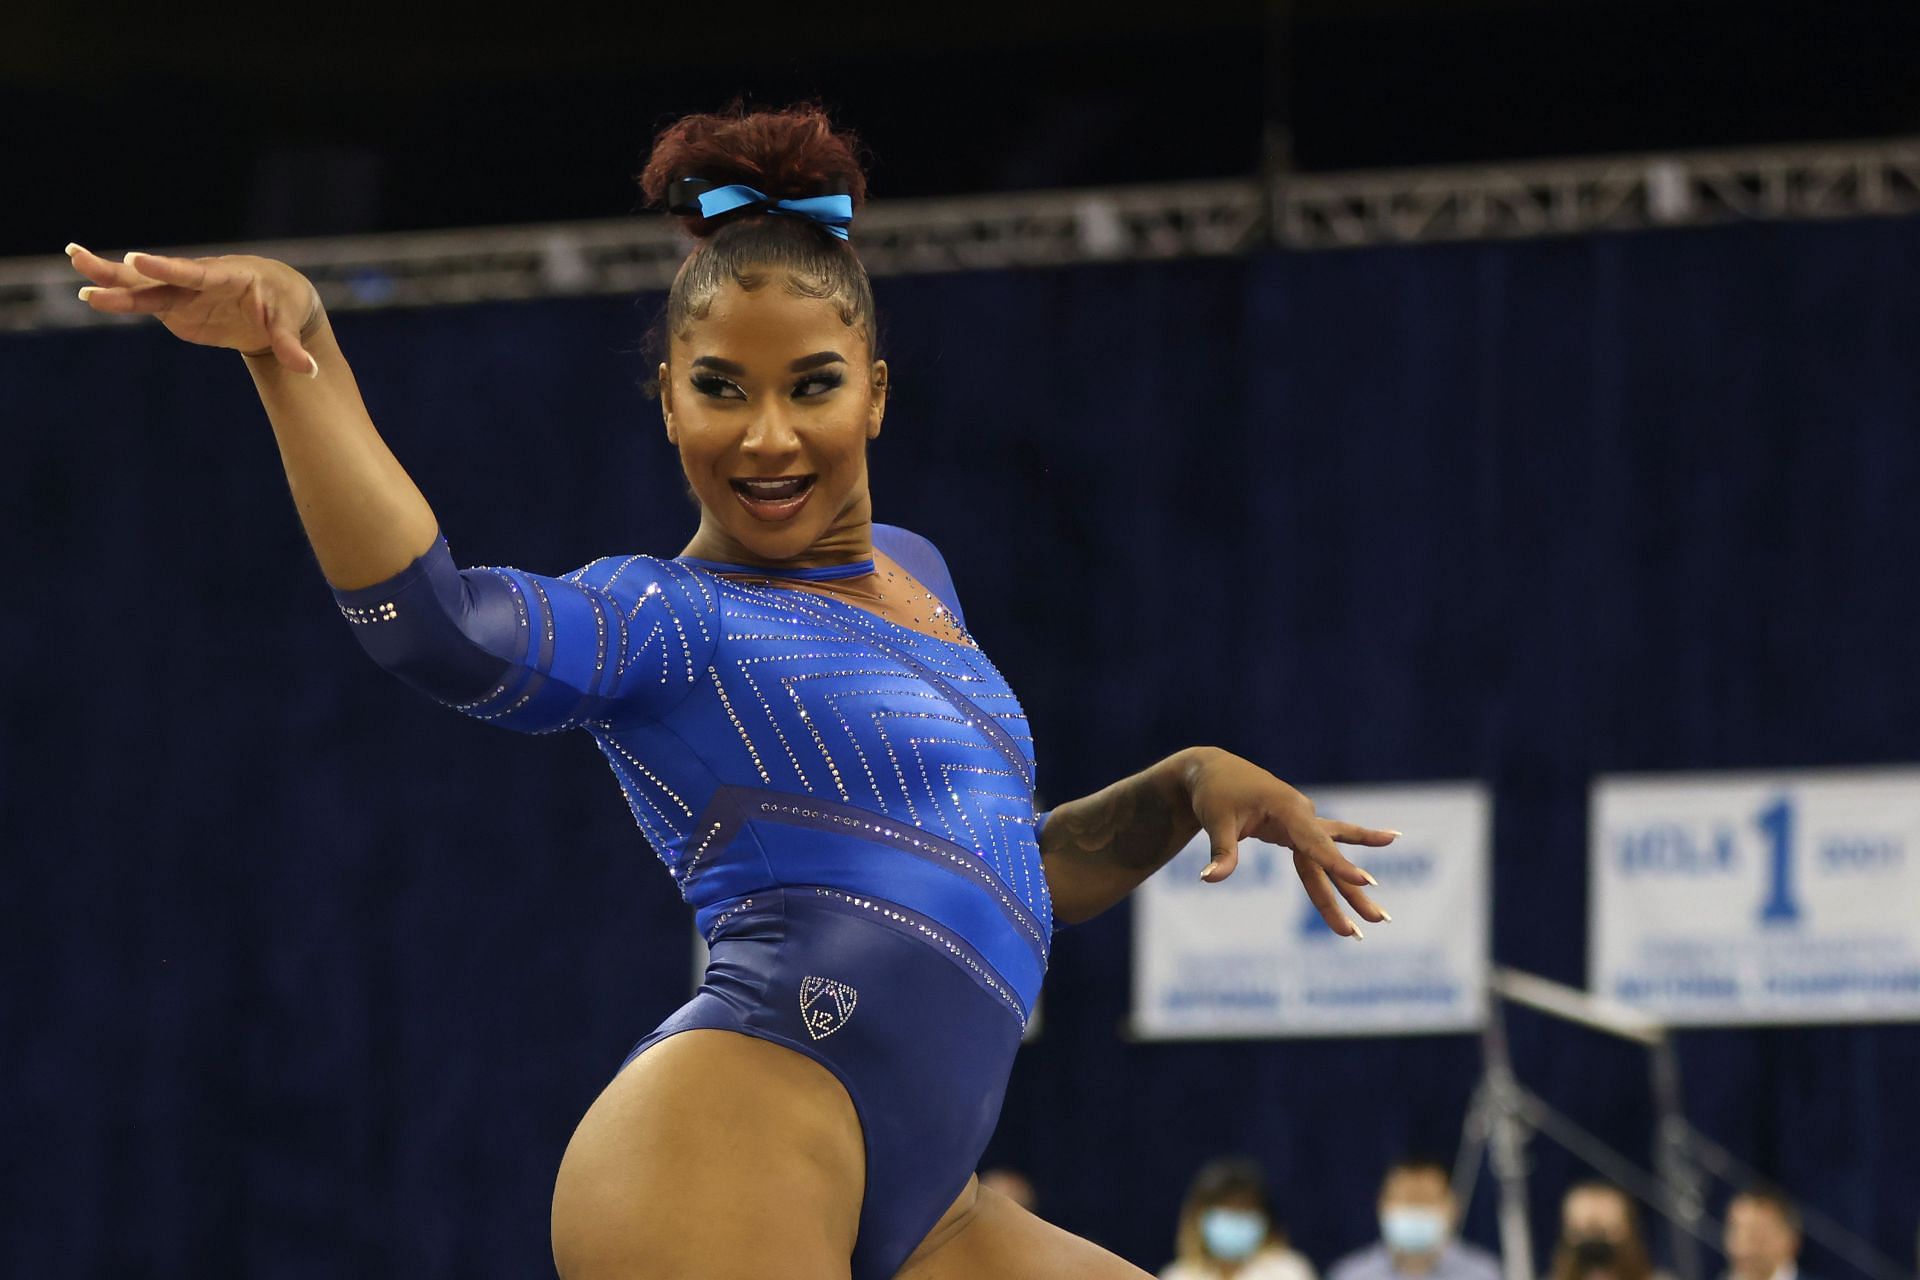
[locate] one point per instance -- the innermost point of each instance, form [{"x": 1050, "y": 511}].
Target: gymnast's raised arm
[
  {"x": 362, "y": 513},
  {"x": 517, "y": 649}
]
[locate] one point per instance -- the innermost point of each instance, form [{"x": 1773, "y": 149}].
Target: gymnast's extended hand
[
  {"x": 1097, "y": 850},
  {"x": 362, "y": 513},
  {"x": 237, "y": 300}
]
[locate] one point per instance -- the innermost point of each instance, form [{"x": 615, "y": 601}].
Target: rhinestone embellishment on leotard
[
  {"x": 714, "y": 932},
  {"x": 825, "y": 1005},
  {"x": 930, "y": 848},
  {"x": 385, "y": 611}
]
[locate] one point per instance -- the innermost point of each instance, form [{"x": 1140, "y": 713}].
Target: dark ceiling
[{"x": 126, "y": 130}]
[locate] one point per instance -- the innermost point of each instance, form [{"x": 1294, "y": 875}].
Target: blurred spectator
[
  {"x": 1228, "y": 1229},
  {"x": 1762, "y": 1236},
  {"x": 1418, "y": 1217},
  {"x": 1600, "y": 1237},
  {"x": 1011, "y": 1183}
]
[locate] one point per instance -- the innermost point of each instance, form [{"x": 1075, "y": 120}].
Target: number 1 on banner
[{"x": 1776, "y": 822}]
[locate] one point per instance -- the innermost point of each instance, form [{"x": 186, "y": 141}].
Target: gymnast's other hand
[
  {"x": 1234, "y": 798},
  {"x": 251, "y": 304}
]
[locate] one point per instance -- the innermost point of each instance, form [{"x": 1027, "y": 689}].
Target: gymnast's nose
[{"x": 772, "y": 433}]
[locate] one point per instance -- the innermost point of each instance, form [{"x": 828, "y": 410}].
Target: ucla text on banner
[
  {"x": 1250, "y": 956},
  {"x": 1740, "y": 898}
]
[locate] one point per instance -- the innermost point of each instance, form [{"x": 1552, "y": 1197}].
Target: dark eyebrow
[{"x": 801, "y": 365}]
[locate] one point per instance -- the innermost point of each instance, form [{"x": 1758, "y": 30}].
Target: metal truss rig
[
  {"x": 1059, "y": 228},
  {"x": 1618, "y": 193},
  {"x": 641, "y": 254}
]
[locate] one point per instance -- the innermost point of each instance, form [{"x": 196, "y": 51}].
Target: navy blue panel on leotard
[{"x": 846, "y": 802}]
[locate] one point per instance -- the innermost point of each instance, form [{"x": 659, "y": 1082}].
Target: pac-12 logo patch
[{"x": 825, "y": 1005}]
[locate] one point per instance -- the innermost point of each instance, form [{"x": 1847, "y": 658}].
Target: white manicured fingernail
[
  {"x": 1384, "y": 917},
  {"x": 1396, "y": 833},
  {"x": 72, "y": 249},
  {"x": 315, "y": 371},
  {"x": 1207, "y": 870},
  {"x": 85, "y": 291},
  {"x": 1369, "y": 875},
  {"x": 130, "y": 256},
  {"x": 1357, "y": 935}
]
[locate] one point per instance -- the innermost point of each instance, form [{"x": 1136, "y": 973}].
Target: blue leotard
[{"x": 846, "y": 802}]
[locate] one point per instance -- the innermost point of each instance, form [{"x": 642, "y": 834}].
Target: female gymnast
[{"x": 837, "y": 778}]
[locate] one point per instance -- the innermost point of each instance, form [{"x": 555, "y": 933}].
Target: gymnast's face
[{"x": 771, "y": 399}]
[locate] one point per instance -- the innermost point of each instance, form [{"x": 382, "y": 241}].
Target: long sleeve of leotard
[{"x": 621, "y": 636}]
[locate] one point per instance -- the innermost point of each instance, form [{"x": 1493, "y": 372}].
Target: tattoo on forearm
[{"x": 1136, "y": 825}]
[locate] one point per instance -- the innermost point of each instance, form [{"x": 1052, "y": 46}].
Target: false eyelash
[{"x": 713, "y": 384}]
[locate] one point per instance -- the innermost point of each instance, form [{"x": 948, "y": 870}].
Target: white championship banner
[
  {"x": 1747, "y": 898},
  {"x": 1250, "y": 956}
]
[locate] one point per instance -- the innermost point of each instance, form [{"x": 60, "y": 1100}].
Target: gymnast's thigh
[
  {"x": 986, "y": 1236},
  {"x": 712, "y": 1155}
]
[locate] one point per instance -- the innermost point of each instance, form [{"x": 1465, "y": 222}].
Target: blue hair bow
[{"x": 832, "y": 211}]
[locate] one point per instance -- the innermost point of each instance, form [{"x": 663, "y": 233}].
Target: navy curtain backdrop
[{"x": 307, "y": 976}]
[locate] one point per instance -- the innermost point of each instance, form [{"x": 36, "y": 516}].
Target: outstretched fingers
[
  {"x": 142, "y": 284},
  {"x": 1320, "y": 892},
  {"x": 103, "y": 271},
  {"x": 1350, "y": 833},
  {"x": 190, "y": 273},
  {"x": 1356, "y": 897},
  {"x": 1317, "y": 844},
  {"x": 1346, "y": 877},
  {"x": 145, "y": 299}
]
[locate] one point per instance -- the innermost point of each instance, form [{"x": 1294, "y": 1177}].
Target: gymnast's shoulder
[
  {"x": 635, "y": 578},
  {"x": 918, "y": 556}
]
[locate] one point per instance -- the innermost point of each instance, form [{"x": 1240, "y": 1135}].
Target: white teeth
[{"x": 793, "y": 486}]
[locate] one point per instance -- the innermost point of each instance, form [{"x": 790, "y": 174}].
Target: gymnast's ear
[
  {"x": 878, "y": 409},
  {"x": 666, "y": 403}
]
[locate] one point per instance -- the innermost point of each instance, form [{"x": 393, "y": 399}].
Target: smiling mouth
[{"x": 775, "y": 497}]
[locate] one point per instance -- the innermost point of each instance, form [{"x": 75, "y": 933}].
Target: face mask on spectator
[
  {"x": 1408, "y": 1230},
  {"x": 1594, "y": 1253},
  {"x": 1233, "y": 1234}
]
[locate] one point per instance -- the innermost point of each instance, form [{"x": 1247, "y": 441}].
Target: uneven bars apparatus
[{"x": 1504, "y": 1114}]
